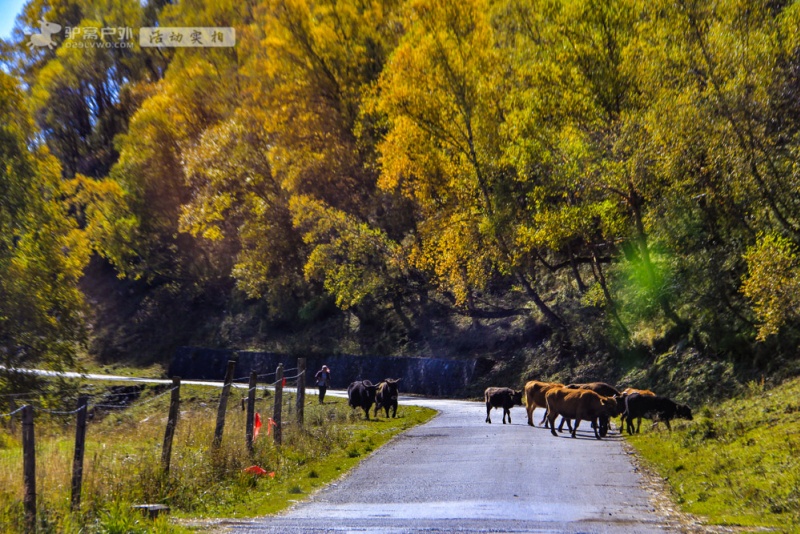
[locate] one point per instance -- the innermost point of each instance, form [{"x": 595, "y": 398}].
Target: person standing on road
[{"x": 323, "y": 378}]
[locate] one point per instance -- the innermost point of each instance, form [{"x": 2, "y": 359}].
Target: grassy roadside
[
  {"x": 123, "y": 451},
  {"x": 738, "y": 462}
]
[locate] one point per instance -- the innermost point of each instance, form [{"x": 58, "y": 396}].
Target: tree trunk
[{"x": 551, "y": 317}]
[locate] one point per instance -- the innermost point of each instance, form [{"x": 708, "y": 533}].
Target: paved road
[{"x": 459, "y": 474}]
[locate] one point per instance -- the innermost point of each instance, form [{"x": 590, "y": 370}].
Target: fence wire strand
[
  {"x": 58, "y": 412},
  {"x": 14, "y": 412}
]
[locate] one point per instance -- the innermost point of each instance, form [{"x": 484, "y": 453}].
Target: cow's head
[
  {"x": 516, "y": 398},
  {"x": 610, "y": 406},
  {"x": 684, "y": 412},
  {"x": 389, "y": 388}
]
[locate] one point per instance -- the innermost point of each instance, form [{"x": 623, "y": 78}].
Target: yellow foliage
[{"x": 773, "y": 282}]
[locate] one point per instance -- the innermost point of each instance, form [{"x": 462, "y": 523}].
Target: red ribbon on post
[{"x": 256, "y": 425}]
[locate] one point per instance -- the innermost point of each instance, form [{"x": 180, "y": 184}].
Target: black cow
[
  {"x": 504, "y": 398},
  {"x": 653, "y": 407},
  {"x": 386, "y": 396},
  {"x": 361, "y": 394}
]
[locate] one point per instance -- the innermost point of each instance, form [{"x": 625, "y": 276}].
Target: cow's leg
[
  {"x": 551, "y": 418},
  {"x": 488, "y": 413},
  {"x": 638, "y": 425},
  {"x": 394, "y": 410},
  {"x": 575, "y": 429},
  {"x": 544, "y": 418},
  {"x": 666, "y": 422},
  {"x": 565, "y": 420},
  {"x": 366, "y": 412},
  {"x": 375, "y": 413},
  {"x": 506, "y": 411},
  {"x": 529, "y": 408},
  {"x": 603, "y": 424},
  {"x": 596, "y": 426}
]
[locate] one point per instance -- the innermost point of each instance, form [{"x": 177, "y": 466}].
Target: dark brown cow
[
  {"x": 655, "y": 408},
  {"x": 361, "y": 394},
  {"x": 621, "y": 400},
  {"x": 534, "y": 396},
  {"x": 578, "y": 404},
  {"x": 504, "y": 398},
  {"x": 386, "y": 396}
]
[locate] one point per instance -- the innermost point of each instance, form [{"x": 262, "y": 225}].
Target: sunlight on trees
[{"x": 634, "y": 160}]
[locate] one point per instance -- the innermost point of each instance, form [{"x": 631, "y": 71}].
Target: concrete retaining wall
[{"x": 426, "y": 376}]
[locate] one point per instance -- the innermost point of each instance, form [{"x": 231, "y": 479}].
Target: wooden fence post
[
  {"x": 223, "y": 403},
  {"x": 80, "y": 447},
  {"x": 276, "y": 412},
  {"x": 29, "y": 468},
  {"x": 301, "y": 389},
  {"x": 251, "y": 410},
  {"x": 172, "y": 422}
]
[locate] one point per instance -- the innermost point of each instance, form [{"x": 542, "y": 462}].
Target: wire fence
[{"x": 120, "y": 401}]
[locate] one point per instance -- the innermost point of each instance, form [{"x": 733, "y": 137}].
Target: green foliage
[{"x": 353, "y": 260}]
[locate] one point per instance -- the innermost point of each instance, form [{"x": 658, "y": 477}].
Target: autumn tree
[
  {"x": 444, "y": 95},
  {"x": 42, "y": 251}
]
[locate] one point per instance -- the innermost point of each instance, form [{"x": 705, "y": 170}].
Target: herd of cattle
[
  {"x": 363, "y": 394},
  {"x": 597, "y": 402}
]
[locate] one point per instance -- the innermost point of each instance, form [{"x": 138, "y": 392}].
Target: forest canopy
[{"x": 630, "y": 165}]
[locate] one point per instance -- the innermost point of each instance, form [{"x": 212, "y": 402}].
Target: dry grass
[{"x": 123, "y": 462}]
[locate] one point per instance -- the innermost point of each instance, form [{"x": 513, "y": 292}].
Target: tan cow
[
  {"x": 578, "y": 404},
  {"x": 534, "y": 396}
]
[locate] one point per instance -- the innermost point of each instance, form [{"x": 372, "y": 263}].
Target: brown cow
[
  {"x": 604, "y": 390},
  {"x": 578, "y": 404},
  {"x": 625, "y": 393},
  {"x": 505, "y": 398},
  {"x": 386, "y": 396},
  {"x": 601, "y": 388},
  {"x": 534, "y": 396}
]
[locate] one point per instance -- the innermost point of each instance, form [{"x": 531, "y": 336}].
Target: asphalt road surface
[{"x": 459, "y": 474}]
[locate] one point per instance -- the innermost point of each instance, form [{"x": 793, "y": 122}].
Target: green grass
[
  {"x": 123, "y": 451},
  {"x": 738, "y": 462}
]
